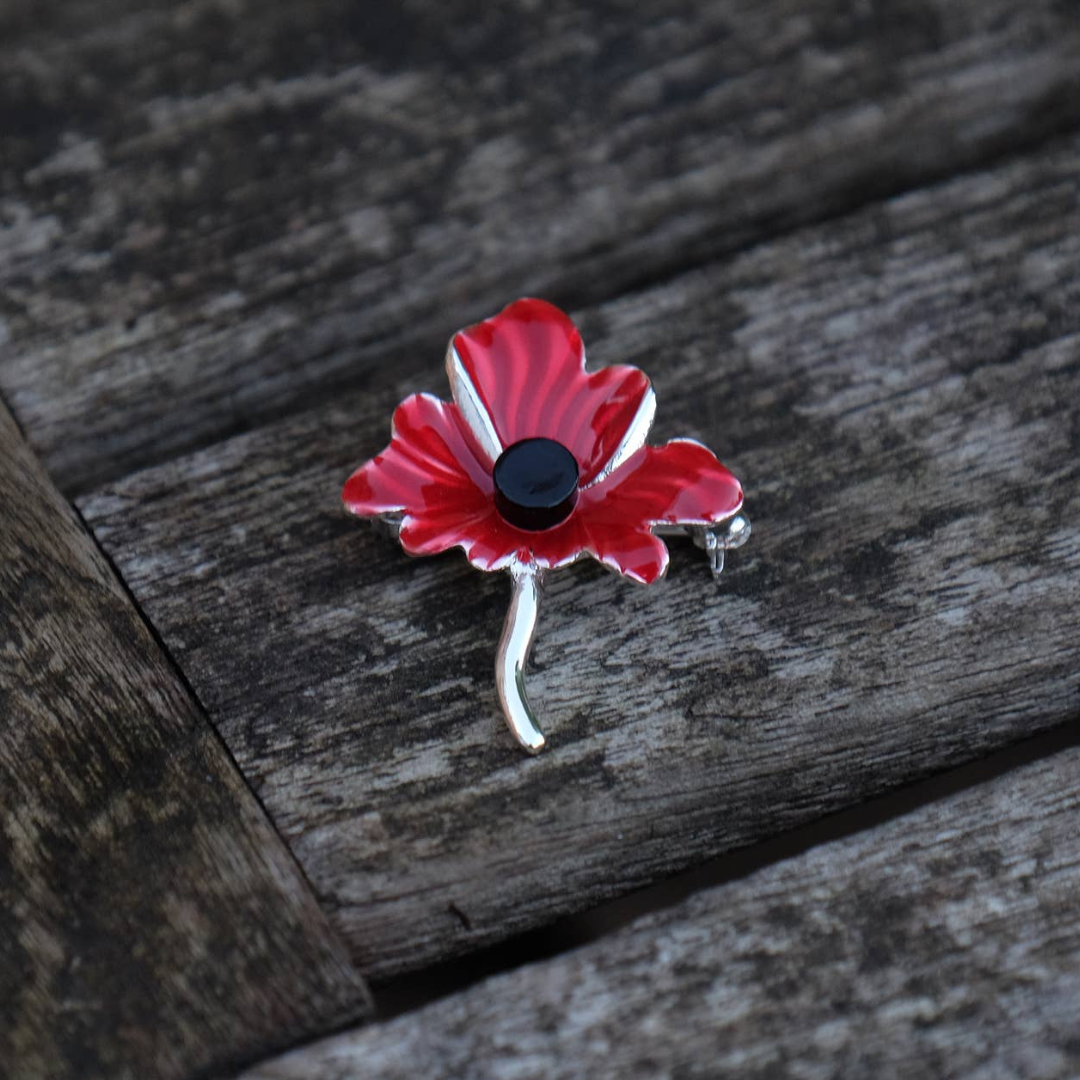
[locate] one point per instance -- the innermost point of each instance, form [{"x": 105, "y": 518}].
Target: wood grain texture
[
  {"x": 899, "y": 391},
  {"x": 943, "y": 944},
  {"x": 212, "y": 212},
  {"x": 151, "y": 921}
]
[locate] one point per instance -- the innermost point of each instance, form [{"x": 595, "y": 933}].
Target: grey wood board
[
  {"x": 942, "y": 944},
  {"x": 152, "y": 923},
  {"x": 899, "y": 391},
  {"x": 211, "y": 212}
]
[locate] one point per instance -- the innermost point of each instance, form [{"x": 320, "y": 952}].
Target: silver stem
[{"x": 513, "y": 655}]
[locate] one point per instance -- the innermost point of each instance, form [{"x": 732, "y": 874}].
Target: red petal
[
  {"x": 481, "y": 535},
  {"x": 426, "y": 467},
  {"x": 527, "y": 366},
  {"x": 637, "y": 555},
  {"x": 680, "y": 483},
  {"x": 429, "y": 475}
]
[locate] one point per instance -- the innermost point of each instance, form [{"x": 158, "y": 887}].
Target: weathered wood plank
[
  {"x": 900, "y": 392},
  {"x": 212, "y": 212},
  {"x": 151, "y": 921},
  {"x": 944, "y": 943}
]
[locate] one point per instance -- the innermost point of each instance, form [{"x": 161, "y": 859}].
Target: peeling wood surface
[
  {"x": 900, "y": 391},
  {"x": 942, "y": 944},
  {"x": 213, "y": 212},
  {"x": 151, "y": 921}
]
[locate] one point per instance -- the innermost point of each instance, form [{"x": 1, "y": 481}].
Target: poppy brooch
[{"x": 535, "y": 463}]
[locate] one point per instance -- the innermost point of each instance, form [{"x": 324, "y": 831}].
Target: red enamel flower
[{"x": 537, "y": 462}]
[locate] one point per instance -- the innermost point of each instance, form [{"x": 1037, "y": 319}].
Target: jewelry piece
[{"x": 535, "y": 463}]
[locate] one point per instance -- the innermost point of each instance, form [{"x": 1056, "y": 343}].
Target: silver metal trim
[
  {"x": 467, "y": 399},
  {"x": 633, "y": 440}
]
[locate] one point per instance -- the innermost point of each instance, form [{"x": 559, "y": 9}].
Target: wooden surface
[
  {"x": 215, "y": 213},
  {"x": 899, "y": 391},
  {"x": 842, "y": 238},
  {"x": 151, "y": 921},
  {"x": 944, "y": 944}
]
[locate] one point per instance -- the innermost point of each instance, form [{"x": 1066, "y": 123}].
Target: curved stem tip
[{"x": 513, "y": 655}]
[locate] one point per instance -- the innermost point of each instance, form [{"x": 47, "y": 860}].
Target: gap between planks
[
  {"x": 403, "y": 347},
  {"x": 132, "y": 856},
  {"x": 942, "y": 941},
  {"x": 414, "y": 990},
  {"x": 332, "y": 206},
  {"x": 185, "y": 683}
]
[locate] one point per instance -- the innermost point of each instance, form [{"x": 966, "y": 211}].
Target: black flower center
[{"x": 535, "y": 483}]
